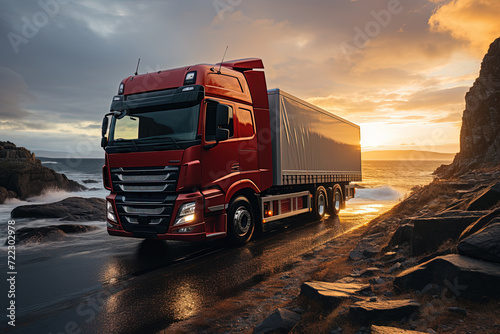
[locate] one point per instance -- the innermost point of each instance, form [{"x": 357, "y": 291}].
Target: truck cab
[{"x": 163, "y": 127}]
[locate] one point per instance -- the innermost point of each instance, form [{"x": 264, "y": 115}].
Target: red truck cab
[{"x": 163, "y": 126}]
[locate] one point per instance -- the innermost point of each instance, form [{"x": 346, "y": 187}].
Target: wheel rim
[
  {"x": 321, "y": 204},
  {"x": 337, "y": 201},
  {"x": 242, "y": 221}
]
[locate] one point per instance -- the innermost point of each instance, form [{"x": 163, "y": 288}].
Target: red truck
[{"x": 206, "y": 151}]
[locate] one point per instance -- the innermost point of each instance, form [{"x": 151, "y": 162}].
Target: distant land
[{"x": 406, "y": 155}]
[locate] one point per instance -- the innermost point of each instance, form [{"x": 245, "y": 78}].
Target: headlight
[
  {"x": 110, "y": 213},
  {"x": 186, "y": 214}
]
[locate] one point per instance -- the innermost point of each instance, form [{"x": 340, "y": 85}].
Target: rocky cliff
[
  {"x": 23, "y": 176},
  {"x": 480, "y": 133}
]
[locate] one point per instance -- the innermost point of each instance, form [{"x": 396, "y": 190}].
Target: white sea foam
[
  {"x": 49, "y": 162},
  {"x": 383, "y": 193}
]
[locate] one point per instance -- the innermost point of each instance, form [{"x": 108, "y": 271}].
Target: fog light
[{"x": 185, "y": 230}]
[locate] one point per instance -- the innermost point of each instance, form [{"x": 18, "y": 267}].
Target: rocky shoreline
[{"x": 22, "y": 175}]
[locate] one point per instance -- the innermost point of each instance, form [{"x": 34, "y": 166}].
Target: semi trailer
[{"x": 206, "y": 151}]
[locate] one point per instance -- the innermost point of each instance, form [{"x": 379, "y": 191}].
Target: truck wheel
[
  {"x": 336, "y": 202},
  {"x": 320, "y": 203},
  {"x": 240, "y": 221}
]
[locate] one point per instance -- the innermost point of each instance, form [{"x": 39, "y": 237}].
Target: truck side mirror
[
  {"x": 104, "y": 130},
  {"x": 222, "y": 122}
]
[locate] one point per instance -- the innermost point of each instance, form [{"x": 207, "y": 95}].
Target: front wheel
[{"x": 240, "y": 221}]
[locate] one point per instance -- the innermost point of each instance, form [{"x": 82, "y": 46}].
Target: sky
[{"x": 398, "y": 68}]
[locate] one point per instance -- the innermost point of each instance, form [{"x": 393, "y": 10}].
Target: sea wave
[
  {"x": 383, "y": 193},
  {"x": 49, "y": 162}
]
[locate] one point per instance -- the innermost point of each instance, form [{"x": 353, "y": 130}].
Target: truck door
[
  {"x": 220, "y": 163},
  {"x": 247, "y": 147}
]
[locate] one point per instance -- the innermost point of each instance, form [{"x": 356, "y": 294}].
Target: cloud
[
  {"x": 13, "y": 92},
  {"x": 433, "y": 99},
  {"x": 473, "y": 21}
]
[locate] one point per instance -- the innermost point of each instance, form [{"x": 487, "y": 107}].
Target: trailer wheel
[
  {"x": 320, "y": 203},
  {"x": 336, "y": 202},
  {"x": 240, "y": 221}
]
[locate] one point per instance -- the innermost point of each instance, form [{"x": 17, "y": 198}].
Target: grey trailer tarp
[{"x": 311, "y": 145}]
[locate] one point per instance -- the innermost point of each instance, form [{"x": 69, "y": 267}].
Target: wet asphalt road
[{"x": 103, "y": 284}]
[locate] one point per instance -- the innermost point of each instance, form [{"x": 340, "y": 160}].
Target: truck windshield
[{"x": 177, "y": 124}]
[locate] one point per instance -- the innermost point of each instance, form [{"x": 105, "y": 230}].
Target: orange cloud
[{"x": 474, "y": 21}]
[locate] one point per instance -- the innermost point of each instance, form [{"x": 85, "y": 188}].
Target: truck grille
[{"x": 145, "y": 197}]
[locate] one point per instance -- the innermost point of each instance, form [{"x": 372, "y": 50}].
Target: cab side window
[
  {"x": 245, "y": 123},
  {"x": 210, "y": 123}
]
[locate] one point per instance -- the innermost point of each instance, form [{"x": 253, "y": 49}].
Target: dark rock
[
  {"x": 479, "y": 224},
  {"x": 281, "y": 320},
  {"x": 458, "y": 310},
  {"x": 484, "y": 244},
  {"x": 403, "y": 234},
  {"x": 70, "y": 209},
  {"x": 368, "y": 272},
  {"x": 454, "y": 214},
  {"x": 430, "y": 233},
  {"x": 389, "y": 310},
  {"x": 6, "y": 194},
  {"x": 392, "y": 330},
  {"x": 368, "y": 247},
  {"x": 23, "y": 174},
  {"x": 26, "y": 235},
  {"x": 465, "y": 277},
  {"x": 377, "y": 281},
  {"x": 394, "y": 268},
  {"x": 331, "y": 294},
  {"x": 90, "y": 181},
  {"x": 486, "y": 199}
]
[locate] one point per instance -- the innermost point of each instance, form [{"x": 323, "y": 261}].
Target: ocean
[{"x": 384, "y": 184}]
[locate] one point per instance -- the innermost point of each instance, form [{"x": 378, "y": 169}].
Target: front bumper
[{"x": 199, "y": 229}]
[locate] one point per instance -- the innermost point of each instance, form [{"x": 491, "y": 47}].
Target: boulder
[
  {"x": 368, "y": 247},
  {"x": 69, "y": 209},
  {"x": 403, "y": 234},
  {"x": 368, "y": 272},
  {"x": 281, "y": 320},
  {"x": 484, "y": 244},
  {"x": 330, "y": 295},
  {"x": 6, "y": 194},
  {"x": 392, "y": 330},
  {"x": 26, "y": 235},
  {"x": 381, "y": 311},
  {"x": 24, "y": 175},
  {"x": 480, "y": 223},
  {"x": 486, "y": 199},
  {"x": 430, "y": 233},
  {"x": 465, "y": 277}
]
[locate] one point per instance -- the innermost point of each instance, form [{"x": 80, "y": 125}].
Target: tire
[
  {"x": 320, "y": 203},
  {"x": 240, "y": 221},
  {"x": 336, "y": 202}
]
